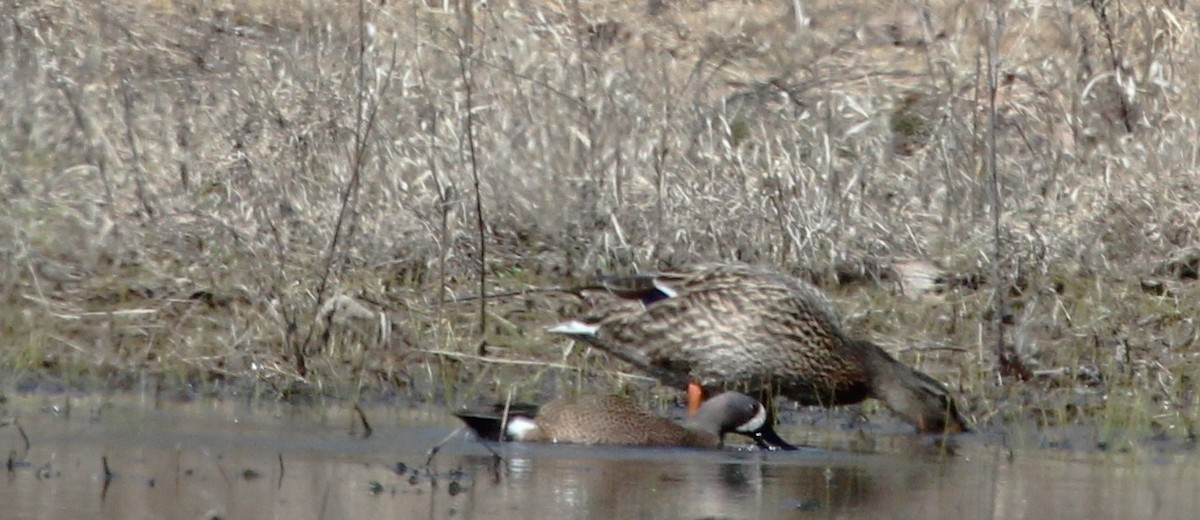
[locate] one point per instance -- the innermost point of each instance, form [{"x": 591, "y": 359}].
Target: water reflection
[
  {"x": 230, "y": 460},
  {"x": 628, "y": 483}
]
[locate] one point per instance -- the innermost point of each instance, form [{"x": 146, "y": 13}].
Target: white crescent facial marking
[{"x": 755, "y": 423}]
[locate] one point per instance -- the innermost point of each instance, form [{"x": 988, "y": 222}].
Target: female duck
[{"x": 721, "y": 326}]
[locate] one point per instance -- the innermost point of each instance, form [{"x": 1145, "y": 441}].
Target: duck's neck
[
  {"x": 705, "y": 422},
  {"x": 917, "y": 398}
]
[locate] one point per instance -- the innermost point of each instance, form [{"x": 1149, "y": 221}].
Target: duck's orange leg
[{"x": 695, "y": 396}]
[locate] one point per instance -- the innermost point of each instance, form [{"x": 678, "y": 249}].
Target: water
[{"x": 226, "y": 459}]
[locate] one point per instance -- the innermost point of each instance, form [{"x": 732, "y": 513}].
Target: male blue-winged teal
[
  {"x": 733, "y": 326},
  {"x": 615, "y": 420}
]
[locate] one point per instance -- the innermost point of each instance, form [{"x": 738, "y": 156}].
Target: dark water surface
[{"x": 225, "y": 459}]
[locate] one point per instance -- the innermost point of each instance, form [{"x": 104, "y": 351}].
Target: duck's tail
[{"x": 487, "y": 422}]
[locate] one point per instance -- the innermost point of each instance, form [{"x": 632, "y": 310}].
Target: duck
[
  {"x": 710, "y": 327},
  {"x": 616, "y": 420}
]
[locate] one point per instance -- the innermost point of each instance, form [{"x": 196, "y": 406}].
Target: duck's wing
[
  {"x": 725, "y": 324},
  {"x": 647, "y": 288}
]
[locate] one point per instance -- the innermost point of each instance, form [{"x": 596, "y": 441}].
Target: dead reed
[{"x": 297, "y": 193}]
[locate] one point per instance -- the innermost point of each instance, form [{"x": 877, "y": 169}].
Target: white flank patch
[
  {"x": 574, "y": 328},
  {"x": 519, "y": 427},
  {"x": 663, "y": 288},
  {"x": 755, "y": 423}
]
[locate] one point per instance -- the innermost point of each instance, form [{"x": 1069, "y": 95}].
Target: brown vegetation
[{"x": 284, "y": 192}]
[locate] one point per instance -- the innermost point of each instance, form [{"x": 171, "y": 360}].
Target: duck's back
[
  {"x": 613, "y": 420},
  {"x": 738, "y": 327}
]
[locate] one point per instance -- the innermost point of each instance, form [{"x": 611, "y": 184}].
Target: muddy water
[{"x": 225, "y": 459}]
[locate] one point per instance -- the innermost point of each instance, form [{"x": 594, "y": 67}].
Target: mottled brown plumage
[
  {"x": 739, "y": 327},
  {"x": 615, "y": 420}
]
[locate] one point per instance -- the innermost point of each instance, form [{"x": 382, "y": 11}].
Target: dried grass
[{"x": 173, "y": 175}]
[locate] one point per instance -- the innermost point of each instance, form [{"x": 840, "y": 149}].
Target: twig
[
  {"x": 365, "y": 122},
  {"x": 108, "y": 477},
  {"x": 1009, "y": 360},
  {"x": 95, "y": 152},
  {"x": 438, "y": 447},
  {"x": 466, "y": 49},
  {"x": 1100, "y": 7},
  {"x": 139, "y": 169},
  {"x": 362, "y": 417},
  {"x": 21, "y": 431},
  {"x": 24, "y": 437},
  {"x": 504, "y": 416},
  {"x": 496, "y": 457}
]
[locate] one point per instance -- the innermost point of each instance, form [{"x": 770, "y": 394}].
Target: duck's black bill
[{"x": 767, "y": 439}]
